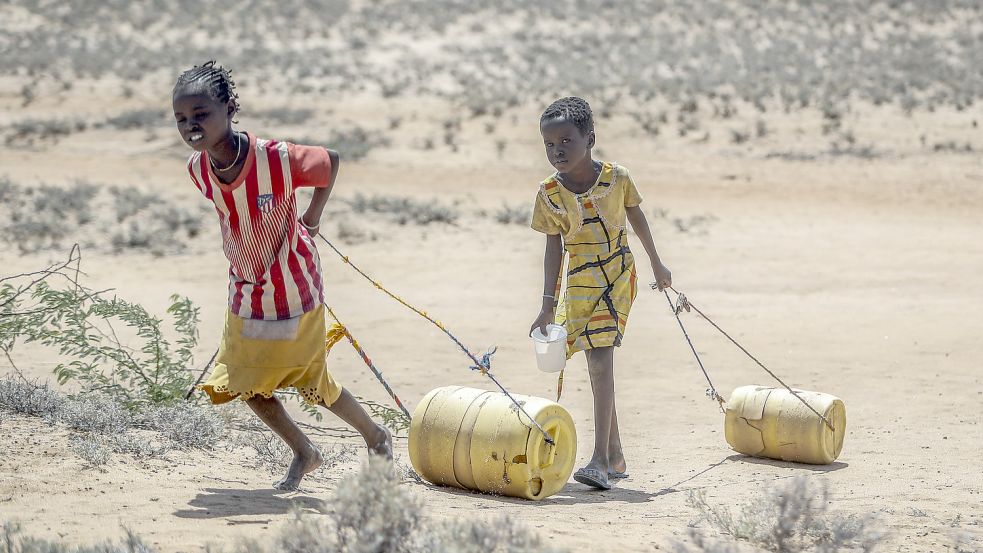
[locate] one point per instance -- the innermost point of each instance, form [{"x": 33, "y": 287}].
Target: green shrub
[{"x": 81, "y": 324}]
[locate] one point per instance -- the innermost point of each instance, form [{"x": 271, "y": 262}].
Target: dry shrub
[
  {"x": 97, "y": 414},
  {"x": 27, "y": 398},
  {"x": 404, "y": 210},
  {"x": 374, "y": 512},
  {"x": 520, "y": 214},
  {"x": 105, "y": 426},
  {"x": 45, "y": 217},
  {"x": 14, "y": 541},
  {"x": 501, "y": 535},
  {"x": 186, "y": 426},
  {"x": 93, "y": 449},
  {"x": 788, "y": 518}
]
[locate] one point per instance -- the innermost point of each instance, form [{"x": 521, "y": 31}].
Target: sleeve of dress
[
  {"x": 309, "y": 166},
  {"x": 543, "y": 218},
  {"x": 632, "y": 197}
]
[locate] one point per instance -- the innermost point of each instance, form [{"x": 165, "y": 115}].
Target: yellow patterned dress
[{"x": 601, "y": 279}]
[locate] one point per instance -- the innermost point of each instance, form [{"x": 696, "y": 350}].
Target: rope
[
  {"x": 368, "y": 362},
  {"x": 711, "y": 391},
  {"x": 684, "y": 303},
  {"x": 201, "y": 375},
  {"x": 483, "y": 364}
]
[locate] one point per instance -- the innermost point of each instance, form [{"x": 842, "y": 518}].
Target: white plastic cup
[{"x": 551, "y": 348}]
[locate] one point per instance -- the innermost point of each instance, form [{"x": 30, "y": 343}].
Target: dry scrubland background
[{"x": 812, "y": 172}]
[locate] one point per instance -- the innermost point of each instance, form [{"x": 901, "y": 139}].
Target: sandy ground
[{"x": 859, "y": 278}]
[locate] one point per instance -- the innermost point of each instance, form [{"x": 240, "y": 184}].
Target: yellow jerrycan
[
  {"x": 478, "y": 440},
  {"x": 772, "y": 422}
]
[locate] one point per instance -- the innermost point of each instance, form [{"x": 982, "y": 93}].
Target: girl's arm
[
  {"x": 663, "y": 278},
  {"x": 551, "y": 269},
  {"x": 312, "y": 217}
]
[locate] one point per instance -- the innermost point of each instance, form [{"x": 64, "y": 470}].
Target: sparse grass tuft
[
  {"x": 46, "y": 217},
  {"x": 94, "y": 413},
  {"x": 27, "y": 398},
  {"x": 350, "y": 232},
  {"x": 788, "y": 518},
  {"x": 285, "y": 116},
  {"x": 352, "y": 142},
  {"x": 520, "y": 214},
  {"x": 405, "y": 210},
  {"x": 92, "y": 448},
  {"x": 31, "y": 132},
  {"x": 374, "y": 512},
  {"x": 14, "y": 541},
  {"x": 103, "y": 426},
  {"x": 185, "y": 425}
]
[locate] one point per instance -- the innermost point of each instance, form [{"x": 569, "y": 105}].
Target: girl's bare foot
[
  {"x": 304, "y": 462},
  {"x": 617, "y": 467},
  {"x": 382, "y": 444}
]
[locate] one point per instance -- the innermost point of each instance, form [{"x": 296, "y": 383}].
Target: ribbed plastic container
[
  {"x": 478, "y": 440},
  {"x": 771, "y": 422}
]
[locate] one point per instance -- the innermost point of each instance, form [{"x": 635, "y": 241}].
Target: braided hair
[
  {"x": 214, "y": 80},
  {"x": 573, "y": 109}
]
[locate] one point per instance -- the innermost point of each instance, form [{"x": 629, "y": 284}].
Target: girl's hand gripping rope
[{"x": 663, "y": 276}]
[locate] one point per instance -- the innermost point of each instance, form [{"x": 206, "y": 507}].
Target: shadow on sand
[
  {"x": 832, "y": 467},
  {"x": 576, "y": 493},
  {"x": 218, "y": 503}
]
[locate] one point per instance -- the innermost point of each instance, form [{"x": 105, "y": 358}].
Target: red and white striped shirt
[{"x": 274, "y": 268}]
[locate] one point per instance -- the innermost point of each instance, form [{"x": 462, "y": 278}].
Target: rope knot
[
  {"x": 484, "y": 365},
  {"x": 682, "y": 303},
  {"x": 712, "y": 394}
]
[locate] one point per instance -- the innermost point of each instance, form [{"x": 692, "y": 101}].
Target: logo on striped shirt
[{"x": 264, "y": 203}]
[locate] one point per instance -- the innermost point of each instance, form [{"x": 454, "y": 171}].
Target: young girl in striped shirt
[{"x": 274, "y": 330}]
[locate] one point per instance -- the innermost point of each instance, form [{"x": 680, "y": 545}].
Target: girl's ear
[
  {"x": 231, "y": 107},
  {"x": 590, "y": 139}
]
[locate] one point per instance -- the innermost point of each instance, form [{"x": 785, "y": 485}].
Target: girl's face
[
  {"x": 566, "y": 146},
  {"x": 202, "y": 120}
]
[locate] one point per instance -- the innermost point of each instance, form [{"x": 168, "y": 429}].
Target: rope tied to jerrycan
[
  {"x": 482, "y": 364},
  {"x": 682, "y": 303}
]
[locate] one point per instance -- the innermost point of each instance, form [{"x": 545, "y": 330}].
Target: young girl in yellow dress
[{"x": 582, "y": 208}]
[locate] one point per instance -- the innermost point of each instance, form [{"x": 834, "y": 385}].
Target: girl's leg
[
  {"x": 616, "y": 457},
  {"x": 377, "y": 437},
  {"x": 600, "y": 364},
  {"x": 306, "y": 456}
]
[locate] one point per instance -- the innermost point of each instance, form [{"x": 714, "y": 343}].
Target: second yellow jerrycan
[
  {"x": 478, "y": 440},
  {"x": 772, "y": 422}
]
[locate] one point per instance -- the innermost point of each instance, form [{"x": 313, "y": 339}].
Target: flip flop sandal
[
  {"x": 592, "y": 478},
  {"x": 617, "y": 475}
]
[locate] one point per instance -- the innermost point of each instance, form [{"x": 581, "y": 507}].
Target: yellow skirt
[
  {"x": 599, "y": 293},
  {"x": 258, "y": 357}
]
